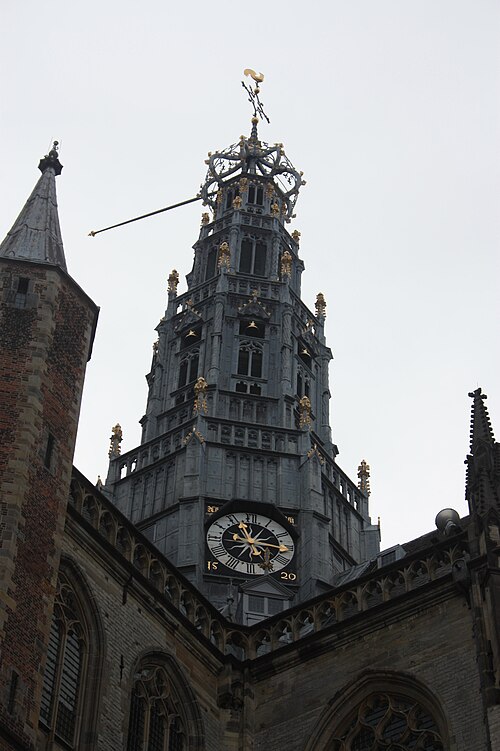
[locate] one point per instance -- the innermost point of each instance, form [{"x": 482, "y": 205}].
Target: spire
[
  {"x": 480, "y": 425},
  {"x": 36, "y": 235},
  {"x": 483, "y": 462}
]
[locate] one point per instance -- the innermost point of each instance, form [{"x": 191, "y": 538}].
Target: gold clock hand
[{"x": 281, "y": 548}]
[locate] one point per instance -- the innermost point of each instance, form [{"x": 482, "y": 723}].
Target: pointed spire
[
  {"x": 480, "y": 425},
  {"x": 483, "y": 463},
  {"x": 36, "y": 234}
]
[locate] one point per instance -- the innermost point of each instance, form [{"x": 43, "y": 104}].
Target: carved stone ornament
[
  {"x": 275, "y": 209},
  {"x": 305, "y": 412},
  {"x": 200, "y": 397},
  {"x": 320, "y": 305},
  {"x": 286, "y": 264},
  {"x": 364, "y": 477},
  {"x": 173, "y": 281},
  {"x": 237, "y": 202},
  {"x": 296, "y": 235},
  {"x": 224, "y": 259},
  {"x": 205, "y": 218},
  {"x": 115, "y": 441}
]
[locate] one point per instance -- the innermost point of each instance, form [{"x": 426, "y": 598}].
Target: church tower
[
  {"x": 47, "y": 327},
  {"x": 235, "y": 479}
]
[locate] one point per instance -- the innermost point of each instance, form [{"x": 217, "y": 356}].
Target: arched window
[
  {"x": 211, "y": 267},
  {"x": 188, "y": 368},
  {"x": 250, "y": 360},
  {"x": 155, "y": 723},
  {"x": 389, "y": 721},
  {"x": 67, "y": 704},
  {"x": 253, "y": 256},
  {"x": 255, "y": 195},
  {"x": 382, "y": 710}
]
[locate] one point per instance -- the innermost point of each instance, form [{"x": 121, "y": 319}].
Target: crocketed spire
[
  {"x": 36, "y": 234},
  {"x": 483, "y": 462}
]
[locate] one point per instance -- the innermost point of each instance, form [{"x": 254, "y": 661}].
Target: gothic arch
[
  {"x": 76, "y": 623},
  {"x": 182, "y": 700},
  {"x": 347, "y": 705}
]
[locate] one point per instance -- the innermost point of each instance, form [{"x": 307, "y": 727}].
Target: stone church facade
[{"x": 224, "y": 589}]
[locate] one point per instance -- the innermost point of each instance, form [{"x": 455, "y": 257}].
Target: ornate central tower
[{"x": 235, "y": 479}]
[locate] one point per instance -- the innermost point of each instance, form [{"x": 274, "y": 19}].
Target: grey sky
[{"x": 391, "y": 109}]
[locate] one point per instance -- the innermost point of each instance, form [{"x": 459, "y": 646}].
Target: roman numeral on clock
[
  {"x": 281, "y": 559},
  {"x": 219, "y": 550},
  {"x": 232, "y": 562}
]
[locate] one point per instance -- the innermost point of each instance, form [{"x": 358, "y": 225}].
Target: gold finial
[
  {"x": 219, "y": 196},
  {"x": 115, "y": 440},
  {"x": 205, "y": 218},
  {"x": 286, "y": 264},
  {"x": 305, "y": 412},
  {"x": 224, "y": 259},
  {"x": 296, "y": 235},
  {"x": 173, "y": 281},
  {"x": 270, "y": 190},
  {"x": 275, "y": 209},
  {"x": 320, "y": 305},
  {"x": 364, "y": 477},
  {"x": 237, "y": 202},
  {"x": 200, "y": 396},
  {"x": 243, "y": 183}
]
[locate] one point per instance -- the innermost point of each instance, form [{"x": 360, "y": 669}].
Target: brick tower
[{"x": 47, "y": 326}]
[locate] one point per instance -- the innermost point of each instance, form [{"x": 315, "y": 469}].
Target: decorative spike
[
  {"x": 480, "y": 428},
  {"x": 364, "y": 477},
  {"x": 115, "y": 441}
]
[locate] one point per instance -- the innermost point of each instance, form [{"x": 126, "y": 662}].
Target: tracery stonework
[{"x": 387, "y": 721}]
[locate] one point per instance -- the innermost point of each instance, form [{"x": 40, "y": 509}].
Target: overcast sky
[{"x": 391, "y": 109}]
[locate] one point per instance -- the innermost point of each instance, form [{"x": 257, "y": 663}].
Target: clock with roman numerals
[{"x": 248, "y": 544}]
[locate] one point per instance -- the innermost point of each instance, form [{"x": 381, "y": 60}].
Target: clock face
[{"x": 250, "y": 543}]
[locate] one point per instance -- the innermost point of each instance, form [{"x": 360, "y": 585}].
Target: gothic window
[
  {"x": 230, "y": 196},
  {"x": 389, "y": 721},
  {"x": 21, "y": 292},
  {"x": 255, "y": 195},
  {"x": 66, "y": 668},
  {"x": 210, "y": 269},
  {"x": 188, "y": 369},
  {"x": 250, "y": 360},
  {"x": 303, "y": 383},
  {"x": 253, "y": 257},
  {"x": 154, "y": 722}
]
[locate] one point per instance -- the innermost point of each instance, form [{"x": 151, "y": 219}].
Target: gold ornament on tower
[
  {"x": 305, "y": 412},
  {"x": 286, "y": 264},
  {"x": 173, "y": 281},
  {"x": 200, "y": 397},
  {"x": 364, "y": 477},
  {"x": 320, "y": 305},
  {"x": 224, "y": 259},
  {"x": 115, "y": 440}
]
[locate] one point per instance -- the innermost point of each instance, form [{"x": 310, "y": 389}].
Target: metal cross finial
[{"x": 253, "y": 95}]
